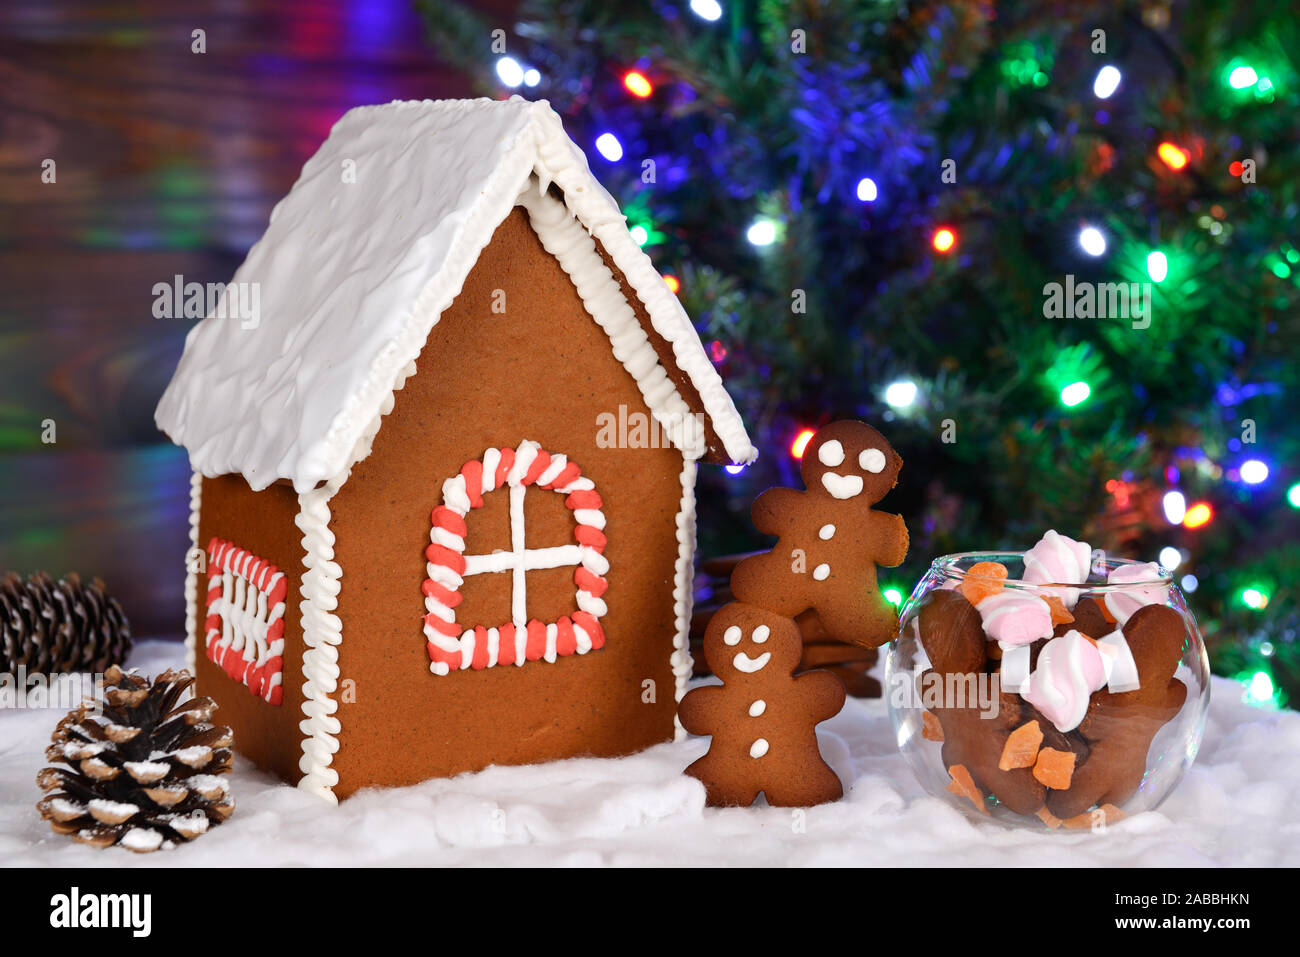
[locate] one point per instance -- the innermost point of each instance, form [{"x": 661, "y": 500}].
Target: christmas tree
[{"x": 1048, "y": 248}]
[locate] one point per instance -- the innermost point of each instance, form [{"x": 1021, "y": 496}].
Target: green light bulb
[
  {"x": 1157, "y": 266},
  {"x": 1075, "y": 393}
]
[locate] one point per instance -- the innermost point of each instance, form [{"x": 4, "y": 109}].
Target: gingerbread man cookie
[
  {"x": 762, "y": 719},
  {"x": 831, "y": 540}
]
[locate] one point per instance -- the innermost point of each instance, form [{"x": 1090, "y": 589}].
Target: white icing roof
[{"x": 353, "y": 275}]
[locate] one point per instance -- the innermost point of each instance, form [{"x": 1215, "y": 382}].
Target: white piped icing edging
[
  {"x": 322, "y": 631},
  {"x": 564, "y": 238},
  {"x": 192, "y": 623},
  {"x": 684, "y": 591},
  {"x": 347, "y": 308}
]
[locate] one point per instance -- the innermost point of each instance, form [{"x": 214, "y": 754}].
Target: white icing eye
[
  {"x": 872, "y": 460},
  {"x": 831, "y": 453},
  {"x": 732, "y": 635},
  {"x": 761, "y": 634},
  {"x": 826, "y": 532}
]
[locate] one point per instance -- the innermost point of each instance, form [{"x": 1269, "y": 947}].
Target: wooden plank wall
[{"x": 167, "y": 162}]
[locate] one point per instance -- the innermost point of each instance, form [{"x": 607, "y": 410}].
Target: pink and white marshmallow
[
  {"x": 1015, "y": 620},
  {"x": 1013, "y": 617},
  {"x": 1122, "y": 603},
  {"x": 1059, "y": 560},
  {"x": 1069, "y": 670}
]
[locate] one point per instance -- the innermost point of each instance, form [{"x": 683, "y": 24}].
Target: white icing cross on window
[{"x": 520, "y": 560}]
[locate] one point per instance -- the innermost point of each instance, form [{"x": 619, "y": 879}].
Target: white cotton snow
[{"x": 1233, "y": 808}]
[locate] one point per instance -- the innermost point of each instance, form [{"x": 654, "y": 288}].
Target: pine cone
[
  {"x": 54, "y": 627},
  {"x": 144, "y": 772}
]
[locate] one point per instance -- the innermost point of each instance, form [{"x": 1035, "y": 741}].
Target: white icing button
[
  {"x": 758, "y": 748},
  {"x": 821, "y": 572},
  {"x": 872, "y": 460},
  {"x": 831, "y": 453},
  {"x": 826, "y": 532},
  {"x": 757, "y": 708},
  {"x": 732, "y": 635},
  {"x": 761, "y": 634}
]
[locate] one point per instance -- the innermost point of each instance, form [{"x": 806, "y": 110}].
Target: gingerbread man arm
[
  {"x": 698, "y": 710},
  {"x": 891, "y": 531},
  {"x": 772, "y": 509},
  {"x": 822, "y": 695}
]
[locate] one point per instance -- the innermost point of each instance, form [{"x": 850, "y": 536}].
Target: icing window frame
[
  {"x": 244, "y": 628},
  {"x": 451, "y": 647}
]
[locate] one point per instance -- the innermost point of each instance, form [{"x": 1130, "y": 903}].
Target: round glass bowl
[{"x": 1097, "y": 722}]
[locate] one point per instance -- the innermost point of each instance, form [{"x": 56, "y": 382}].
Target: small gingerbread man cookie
[
  {"x": 831, "y": 540},
  {"x": 762, "y": 719}
]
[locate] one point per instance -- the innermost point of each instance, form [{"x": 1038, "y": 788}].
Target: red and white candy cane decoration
[
  {"x": 245, "y": 623},
  {"x": 452, "y": 647}
]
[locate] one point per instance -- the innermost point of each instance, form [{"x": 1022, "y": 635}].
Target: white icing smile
[
  {"x": 747, "y": 665},
  {"x": 842, "y": 486}
]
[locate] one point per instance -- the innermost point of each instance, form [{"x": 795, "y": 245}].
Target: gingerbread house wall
[
  {"x": 262, "y": 523},
  {"x": 542, "y": 371}
]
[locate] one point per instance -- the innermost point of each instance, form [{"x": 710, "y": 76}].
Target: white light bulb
[
  {"x": 609, "y": 147},
  {"x": 762, "y": 232},
  {"x": 510, "y": 72},
  {"x": 1170, "y": 557},
  {"x": 867, "y": 191},
  {"x": 1107, "y": 82},
  {"x": 706, "y": 9},
  {"x": 532, "y": 77},
  {"x": 901, "y": 394},
  {"x": 1253, "y": 471},
  {"x": 1190, "y": 583},
  {"x": 1175, "y": 507},
  {"x": 1092, "y": 241}
]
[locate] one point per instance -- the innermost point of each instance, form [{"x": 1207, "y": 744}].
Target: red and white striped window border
[
  {"x": 245, "y": 622},
  {"x": 452, "y": 647}
]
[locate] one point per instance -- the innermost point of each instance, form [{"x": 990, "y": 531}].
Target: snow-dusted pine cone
[
  {"x": 143, "y": 773},
  {"x": 54, "y": 627}
]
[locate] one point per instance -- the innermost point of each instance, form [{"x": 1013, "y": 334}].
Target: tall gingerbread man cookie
[
  {"x": 762, "y": 719},
  {"x": 831, "y": 539}
]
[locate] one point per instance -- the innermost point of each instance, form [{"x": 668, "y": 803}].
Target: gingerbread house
[{"x": 443, "y": 494}]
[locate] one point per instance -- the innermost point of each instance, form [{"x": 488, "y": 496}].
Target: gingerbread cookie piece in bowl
[{"x": 1054, "y": 688}]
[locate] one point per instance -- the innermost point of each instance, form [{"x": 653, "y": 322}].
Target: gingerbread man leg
[
  {"x": 814, "y": 783},
  {"x": 766, "y": 580},
  {"x": 868, "y": 625},
  {"x": 724, "y": 785}
]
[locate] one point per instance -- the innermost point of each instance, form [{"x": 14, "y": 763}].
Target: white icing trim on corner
[
  {"x": 564, "y": 237},
  {"x": 683, "y": 590},
  {"x": 192, "y": 624},
  {"x": 322, "y": 630}
]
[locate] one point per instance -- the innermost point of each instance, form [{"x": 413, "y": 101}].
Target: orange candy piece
[
  {"x": 983, "y": 579},
  {"x": 1021, "y": 748},
  {"x": 963, "y": 785},
  {"x": 1054, "y": 768},
  {"x": 931, "y": 729},
  {"x": 1060, "y": 616},
  {"x": 1109, "y": 815},
  {"x": 1048, "y": 818}
]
